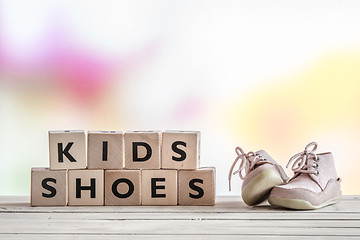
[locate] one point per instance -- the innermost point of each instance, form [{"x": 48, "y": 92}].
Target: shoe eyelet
[
  {"x": 317, "y": 158},
  {"x": 316, "y": 165},
  {"x": 316, "y": 173}
]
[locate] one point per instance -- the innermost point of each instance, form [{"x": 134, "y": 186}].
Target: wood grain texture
[
  {"x": 152, "y": 139},
  {"x": 230, "y": 218},
  {"x": 113, "y": 157},
  {"x": 197, "y": 187},
  {"x": 55, "y": 191},
  {"x": 75, "y": 140},
  {"x": 87, "y": 178},
  {"x": 120, "y": 178},
  {"x": 159, "y": 187},
  {"x": 187, "y": 145}
]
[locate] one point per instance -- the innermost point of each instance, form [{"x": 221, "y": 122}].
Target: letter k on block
[{"x": 67, "y": 150}]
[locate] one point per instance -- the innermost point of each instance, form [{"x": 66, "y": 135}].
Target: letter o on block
[{"x": 122, "y": 187}]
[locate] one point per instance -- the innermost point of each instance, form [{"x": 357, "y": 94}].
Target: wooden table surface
[{"x": 229, "y": 218}]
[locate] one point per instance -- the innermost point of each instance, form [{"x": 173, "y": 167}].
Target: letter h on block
[
  {"x": 67, "y": 150},
  {"x": 86, "y": 187}
]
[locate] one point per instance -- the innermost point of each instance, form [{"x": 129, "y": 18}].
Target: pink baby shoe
[
  {"x": 260, "y": 174},
  {"x": 314, "y": 185}
]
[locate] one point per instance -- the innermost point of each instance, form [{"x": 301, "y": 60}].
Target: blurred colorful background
[{"x": 271, "y": 75}]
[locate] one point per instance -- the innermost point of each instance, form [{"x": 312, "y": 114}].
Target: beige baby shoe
[
  {"x": 260, "y": 174},
  {"x": 314, "y": 185}
]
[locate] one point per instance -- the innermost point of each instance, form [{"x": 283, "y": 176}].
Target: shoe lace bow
[
  {"x": 301, "y": 163},
  {"x": 248, "y": 163}
]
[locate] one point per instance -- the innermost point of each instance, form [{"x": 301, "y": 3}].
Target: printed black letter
[
  {"x": 124, "y": 180},
  {"x": 196, "y": 188},
  {"x": 65, "y": 152},
  {"x": 45, "y": 185}
]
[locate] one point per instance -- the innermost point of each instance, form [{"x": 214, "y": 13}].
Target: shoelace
[
  {"x": 301, "y": 163},
  {"x": 246, "y": 163}
]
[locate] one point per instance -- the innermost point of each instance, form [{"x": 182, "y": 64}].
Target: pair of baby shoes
[{"x": 314, "y": 185}]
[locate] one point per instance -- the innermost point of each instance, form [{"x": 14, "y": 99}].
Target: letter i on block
[
  {"x": 142, "y": 149},
  {"x": 48, "y": 188},
  {"x": 86, "y": 187},
  {"x": 67, "y": 149},
  {"x": 180, "y": 149},
  {"x": 105, "y": 150},
  {"x": 197, "y": 187}
]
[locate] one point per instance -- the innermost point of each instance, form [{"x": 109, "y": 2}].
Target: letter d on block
[
  {"x": 67, "y": 150},
  {"x": 142, "y": 150}
]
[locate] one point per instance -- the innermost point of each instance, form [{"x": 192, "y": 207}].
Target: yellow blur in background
[{"x": 272, "y": 75}]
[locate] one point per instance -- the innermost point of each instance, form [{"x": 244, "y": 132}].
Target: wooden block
[
  {"x": 142, "y": 149},
  {"x": 122, "y": 187},
  {"x": 159, "y": 187},
  {"x": 180, "y": 149},
  {"x": 197, "y": 187},
  {"x": 67, "y": 149},
  {"x": 48, "y": 188},
  {"x": 105, "y": 150},
  {"x": 86, "y": 187}
]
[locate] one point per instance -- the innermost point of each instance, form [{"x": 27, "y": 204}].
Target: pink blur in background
[{"x": 271, "y": 75}]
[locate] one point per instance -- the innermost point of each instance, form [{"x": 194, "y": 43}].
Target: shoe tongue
[
  {"x": 304, "y": 180},
  {"x": 266, "y": 156},
  {"x": 270, "y": 160}
]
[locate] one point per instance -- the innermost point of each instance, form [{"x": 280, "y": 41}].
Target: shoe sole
[
  {"x": 299, "y": 204},
  {"x": 259, "y": 188}
]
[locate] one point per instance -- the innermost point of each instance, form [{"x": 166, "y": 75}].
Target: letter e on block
[
  {"x": 67, "y": 150},
  {"x": 48, "y": 188},
  {"x": 180, "y": 149},
  {"x": 86, "y": 187},
  {"x": 159, "y": 187},
  {"x": 197, "y": 187}
]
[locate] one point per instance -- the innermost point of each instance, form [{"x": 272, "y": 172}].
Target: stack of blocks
[{"x": 135, "y": 168}]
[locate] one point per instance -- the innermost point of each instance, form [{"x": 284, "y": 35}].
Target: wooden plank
[
  {"x": 181, "y": 216},
  {"x": 20, "y": 218},
  {"x": 171, "y": 227},
  {"x": 159, "y": 237},
  {"x": 223, "y": 204},
  {"x": 229, "y": 218}
]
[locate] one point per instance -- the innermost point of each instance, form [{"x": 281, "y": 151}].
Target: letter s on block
[
  {"x": 45, "y": 185},
  {"x": 196, "y": 188},
  {"x": 179, "y": 151}
]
